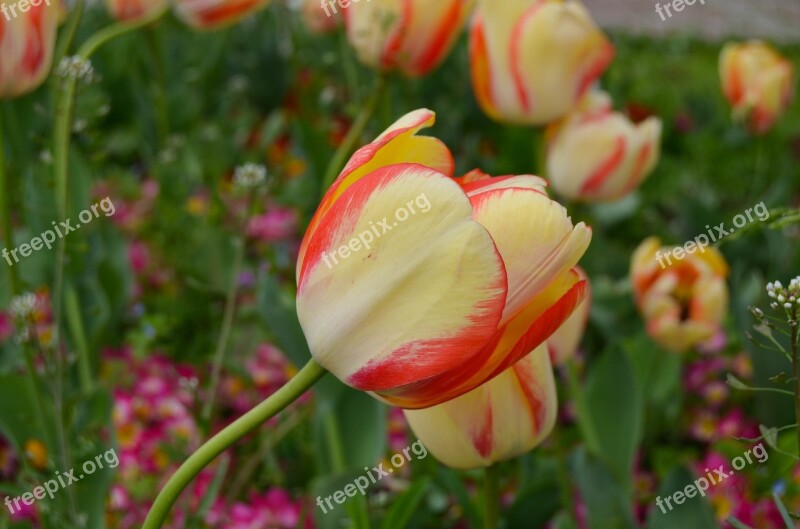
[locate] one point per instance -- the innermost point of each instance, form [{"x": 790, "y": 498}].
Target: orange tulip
[
  {"x": 563, "y": 344},
  {"x": 501, "y": 419},
  {"x": 214, "y": 14},
  {"x": 413, "y": 36},
  {"x": 27, "y": 39},
  {"x": 419, "y": 287},
  {"x": 597, "y": 154},
  {"x": 757, "y": 81},
  {"x": 681, "y": 295},
  {"x": 533, "y": 60},
  {"x": 131, "y": 10}
]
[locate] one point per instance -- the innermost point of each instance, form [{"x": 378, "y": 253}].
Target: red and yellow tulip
[
  {"x": 563, "y": 344},
  {"x": 422, "y": 307},
  {"x": 131, "y": 10},
  {"x": 412, "y": 36},
  {"x": 682, "y": 296},
  {"x": 215, "y": 14},
  {"x": 757, "y": 81},
  {"x": 501, "y": 419},
  {"x": 597, "y": 154},
  {"x": 26, "y": 47},
  {"x": 533, "y": 60}
]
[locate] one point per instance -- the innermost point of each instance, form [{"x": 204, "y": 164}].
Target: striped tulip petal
[
  {"x": 563, "y": 344},
  {"x": 215, "y": 14},
  {"x": 26, "y": 47}
]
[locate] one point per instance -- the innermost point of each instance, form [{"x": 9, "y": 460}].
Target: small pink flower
[{"x": 277, "y": 224}]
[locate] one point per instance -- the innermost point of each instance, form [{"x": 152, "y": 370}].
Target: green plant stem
[
  {"x": 5, "y": 212},
  {"x": 796, "y": 374},
  {"x": 491, "y": 494},
  {"x": 348, "y": 144},
  {"x": 68, "y": 32},
  {"x": 358, "y": 508},
  {"x": 75, "y": 322},
  {"x": 248, "y": 422},
  {"x": 159, "y": 85}
]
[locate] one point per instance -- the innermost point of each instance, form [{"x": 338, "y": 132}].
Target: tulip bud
[
  {"x": 757, "y": 81},
  {"x": 413, "y": 36},
  {"x": 419, "y": 287},
  {"x": 27, "y": 39},
  {"x": 533, "y": 60},
  {"x": 215, "y": 14},
  {"x": 681, "y": 295},
  {"x": 502, "y": 419},
  {"x": 131, "y": 10},
  {"x": 598, "y": 155}
]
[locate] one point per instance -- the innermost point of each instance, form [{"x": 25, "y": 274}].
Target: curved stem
[
  {"x": 5, "y": 214},
  {"x": 68, "y": 33},
  {"x": 248, "y": 422},
  {"x": 491, "y": 494},
  {"x": 349, "y": 142}
]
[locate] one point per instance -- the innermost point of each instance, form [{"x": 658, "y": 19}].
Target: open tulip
[
  {"x": 214, "y": 14},
  {"x": 682, "y": 296},
  {"x": 419, "y": 287},
  {"x": 412, "y": 36},
  {"x": 563, "y": 344},
  {"x": 131, "y": 10},
  {"x": 757, "y": 81},
  {"x": 26, "y": 47},
  {"x": 533, "y": 60},
  {"x": 597, "y": 154},
  {"x": 501, "y": 419}
]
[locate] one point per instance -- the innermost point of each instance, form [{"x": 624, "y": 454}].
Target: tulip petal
[{"x": 424, "y": 296}]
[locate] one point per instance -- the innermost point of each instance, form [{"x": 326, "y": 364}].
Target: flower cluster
[{"x": 786, "y": 297}]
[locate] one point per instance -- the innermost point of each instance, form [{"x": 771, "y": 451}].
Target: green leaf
[
  {"x": 277, "y": 309},
  {"x": 607, "y": 502},
  {"x": 784, "y": 513},
  {"x": 406, "y": 505},
  {"x": 691, "y": 513}
]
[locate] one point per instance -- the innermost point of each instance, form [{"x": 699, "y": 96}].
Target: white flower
[{"x": 250, "y": 176}]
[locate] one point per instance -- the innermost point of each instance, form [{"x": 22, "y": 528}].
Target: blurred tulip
[
  {"x": 26, "y": 46},
  {"x": 533, "y": 60},
  {"x": 317, "y": 18},
  {"x": 130, "y": 10},
  {"x": 413, "y": 36},
  {"x": 685, "y": 302},
  {"x": 563, "y": 344},
  {"x": 503, "y": 418},
  {"x": 757, "y": 81},
  {"x": 214, "y": 14},
  {"x": 419, "y": 287},
  {"x": 597, "y": 154}
]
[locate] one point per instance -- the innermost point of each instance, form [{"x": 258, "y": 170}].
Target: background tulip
[
  {"x": 685, "y": 302},
  {"x": 214, "y": 14},
  {"x": 412, "y": 36},
  {"x": 598, "y": 154},
  {"x": 563, "y": 344},
  {"x": 757, "y": 81},
  {"x": 134, "y": 9},
  {"x": 504, "y": 418},
  {"x": 533, "y": 60},
  {"x": 426, "y": 307},
  {"x": 26, "y": 47},
  {"x": 317, "y": 19}
]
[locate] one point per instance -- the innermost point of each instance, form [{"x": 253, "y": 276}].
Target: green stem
[
  {"x": 492, "y": 497},
  {"x": 796, "y": 372},
  {"x": 290, "y": 392},
  {"x": 358, "y": 507},
  {"x": 227, "y": 325},
  {"x": 68, "y": 33},
  {"x": 348, "y": 144},
  {"x": 159, "y": 85},
  {"x": 5, "y": 214},
  {"x": 75, "y": 322}
]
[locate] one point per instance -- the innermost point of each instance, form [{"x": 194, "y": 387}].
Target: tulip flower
[
  {"x": 420, "y": 287},
  {"x": 131, "y": 10},
  {"x": 533, "y": 60},
  {"x": 214, "y": 14},
  {"x": 563, "y": 344},
  {"x": 413, "y": 36},
  {"x": 320, "y": 19},
  {"x": 681, "y": 294},
  {"x": 26, "y": 46},
  {"x": 597, "y": 154},
  {"x": 501, "y": 419},
  {"x": 757, "y": 81}
]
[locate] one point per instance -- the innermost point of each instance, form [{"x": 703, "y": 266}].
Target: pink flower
[
  {"x": 276, "y": 224},
  {"x": 6, "y": 326}
]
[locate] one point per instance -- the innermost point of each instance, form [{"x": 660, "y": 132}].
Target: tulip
[
  {"x": 320, "y": 19},
  {"x": 27, "y": 39},
  {"x": 131, "y": 10},
  {"x": 563, "y": 344},
  {"x": 597, "y": 154},
  {"x": 214, "y": 14},
  {"x": 419, "y": 287},
  {"x": 681, "y": 295},
  {"x": 758, "y": 83},
  {"x": 533, "y": 60},
  {"x": 413, "y": 36},
  {"x": 501, "y": 419}
]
